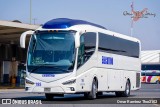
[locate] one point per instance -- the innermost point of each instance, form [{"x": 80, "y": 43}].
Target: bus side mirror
[
  {"x": 23, "y": 38},
  {"x": 77, "y": 40}
]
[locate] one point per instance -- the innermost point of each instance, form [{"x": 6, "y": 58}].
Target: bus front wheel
[{"x": 92, "y": 95}]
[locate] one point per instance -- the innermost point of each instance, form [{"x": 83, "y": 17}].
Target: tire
[
  {"x": 157, "y": 82},
  {"x": 92, "y": 95},
  {"x": 49, "y": 96},
  {"x": 125, "y": 93}
]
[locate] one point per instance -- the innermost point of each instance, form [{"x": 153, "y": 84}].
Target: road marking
[{"x": 158, "y": 105}]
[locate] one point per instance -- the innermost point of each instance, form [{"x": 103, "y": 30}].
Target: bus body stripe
[
  {"x": 149, "y": 78},
  {"x": 154, "y": 79}
]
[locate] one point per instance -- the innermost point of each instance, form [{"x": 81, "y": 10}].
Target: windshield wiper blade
[
  {"x": 54, "y": 66},
  {"x": 34, "y": 69},
  {"x": 48, "y": 65}
]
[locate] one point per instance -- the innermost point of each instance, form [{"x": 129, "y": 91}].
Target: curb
[{"x": 12, "y": 90}]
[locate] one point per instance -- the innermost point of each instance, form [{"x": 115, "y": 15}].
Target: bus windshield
[{"x": 53, "y": 49}]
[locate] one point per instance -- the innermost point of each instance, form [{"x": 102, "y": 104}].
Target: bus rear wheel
[
  {"x": 49, "y": 96},
  {"x": 125, "y": 93}
]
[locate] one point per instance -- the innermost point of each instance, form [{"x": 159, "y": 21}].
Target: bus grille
[{"x": 137, "y": 79}]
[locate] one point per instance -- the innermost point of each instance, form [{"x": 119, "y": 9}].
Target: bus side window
[
  {"x": 81, "y": 52},
  {"x": 87, "y": 47},
  {"x": 142, "y": 74}
]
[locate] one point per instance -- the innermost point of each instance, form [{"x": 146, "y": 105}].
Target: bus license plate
[{"x": 47, "y": 89}]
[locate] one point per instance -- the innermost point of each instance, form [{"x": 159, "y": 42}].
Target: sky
[{"x": 108, "y": 13}]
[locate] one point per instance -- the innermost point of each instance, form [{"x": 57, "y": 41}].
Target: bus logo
[
  {"x": 48, "y": 75},
  {"x": 107, "y": 60}
]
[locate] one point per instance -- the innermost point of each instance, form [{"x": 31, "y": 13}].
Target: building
[
  {"x": 152, "y": 56},
  {"x": 12, "y": 57},
  {"x": 150, "y": 66},
  {"x": 150, "y": 60}
]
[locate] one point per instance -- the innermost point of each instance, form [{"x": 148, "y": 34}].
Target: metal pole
[
  {"x": 30, "y": 11},
  {"x": 132, "y": 8},
  {"x": 131, "y": 31},
  {"x": 34, "y": 20},
  {"x": 159, "y": 57}
]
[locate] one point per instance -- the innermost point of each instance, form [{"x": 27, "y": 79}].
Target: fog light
[{"x": 72, "y": 89}]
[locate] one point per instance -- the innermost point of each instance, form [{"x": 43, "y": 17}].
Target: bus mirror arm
[{"x": 23, "y": 37}]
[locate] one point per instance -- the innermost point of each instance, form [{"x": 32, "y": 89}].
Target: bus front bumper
[{"x": 56, "y": 90}]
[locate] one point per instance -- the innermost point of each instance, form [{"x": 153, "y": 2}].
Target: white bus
[{"x": 67, "y": 56}]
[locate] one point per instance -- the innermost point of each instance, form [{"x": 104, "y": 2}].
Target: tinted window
[
  {"x": 87, "y": 47},
  {"x": 89, "y": 43},
  {"x": 142, "y": 74},
  {"x": 153, "y": 74},
  {"x": 118, "y": 46},
  {"x": 56, "y": 49},
  {"x": 151, "y": 67}
]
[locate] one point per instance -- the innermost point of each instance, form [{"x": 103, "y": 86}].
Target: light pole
[
  {"x": 159, "y": 57},
  {"x": 30, "y": 11},
  {"x": 34, "y": 20}
]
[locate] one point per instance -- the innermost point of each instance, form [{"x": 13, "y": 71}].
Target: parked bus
[
  {"x": 67, "y": 56},
  {"x": 143, "y": 76},
  {"x": 150, "y": 73}
]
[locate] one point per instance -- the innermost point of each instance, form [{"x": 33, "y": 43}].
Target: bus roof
[
  {"x": 62, "y": 23},
  {"x": 78, "y": 25}
]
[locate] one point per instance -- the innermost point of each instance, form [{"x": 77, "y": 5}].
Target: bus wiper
[
  {"x": 54, "y": 66},
  {"x": 48, "y": 65}
]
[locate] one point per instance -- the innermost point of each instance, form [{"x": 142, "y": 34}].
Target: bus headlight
[
  {"x": 29, "y": 82},
  {"x": 69, "y": 82}
]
